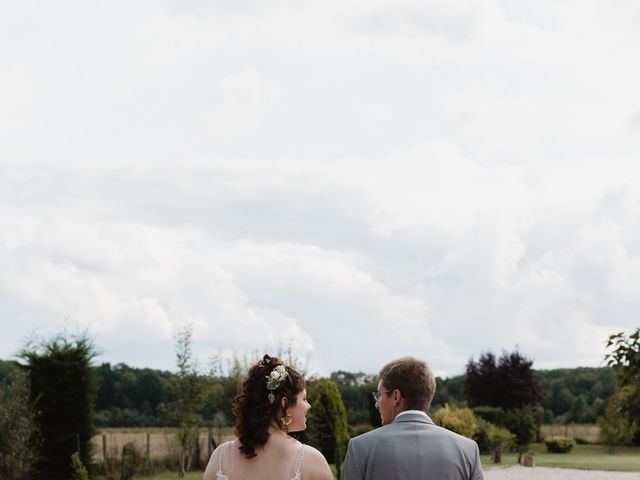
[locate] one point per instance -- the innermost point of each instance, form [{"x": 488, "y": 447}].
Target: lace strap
[
  {"x": 299, "y": 468},
  {"x": 222, "y": 447}
]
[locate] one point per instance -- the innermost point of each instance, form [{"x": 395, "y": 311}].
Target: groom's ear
[{"x": 396, "y": 395}]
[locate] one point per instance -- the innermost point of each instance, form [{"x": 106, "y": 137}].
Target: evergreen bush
[
  {"x": 327, "y": 422},
  {"x": 63, "y": 392},
  {"x": 78, "y": 470}
]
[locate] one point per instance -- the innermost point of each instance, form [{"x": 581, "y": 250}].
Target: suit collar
[{"x": 413, "y": 417}]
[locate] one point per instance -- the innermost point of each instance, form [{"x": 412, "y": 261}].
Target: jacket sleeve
[
  {"x": 477, "y": 473},
  {"x": 351, "y": 469}
]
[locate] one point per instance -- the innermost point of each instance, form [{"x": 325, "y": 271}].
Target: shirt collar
[{"x": 419, "y": 412}]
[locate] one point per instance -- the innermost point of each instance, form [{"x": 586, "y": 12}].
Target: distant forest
[{"x": 134, "y": 397}]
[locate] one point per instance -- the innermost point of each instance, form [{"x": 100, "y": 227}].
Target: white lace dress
[{"x": 222, "y": 476}]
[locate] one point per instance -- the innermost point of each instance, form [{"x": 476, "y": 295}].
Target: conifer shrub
[
  {"x": 327, "y": 422},
  {"x": 63, "y": 393},
  {"x": 78, "y": 470}
]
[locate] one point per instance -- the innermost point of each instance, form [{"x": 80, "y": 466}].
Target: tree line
[
  {"x": 53, "y": 399},
  {"x": 132, "y": 397}
]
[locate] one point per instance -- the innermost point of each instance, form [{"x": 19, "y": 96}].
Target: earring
[{"x": 286, "y": 420}]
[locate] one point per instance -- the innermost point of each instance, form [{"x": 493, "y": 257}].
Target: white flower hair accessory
[{"x": 274, "y": 379}]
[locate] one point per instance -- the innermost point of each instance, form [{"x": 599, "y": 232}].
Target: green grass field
[
  {"x": 174, "y": 476},
  {"x": 588, "y": 457}
]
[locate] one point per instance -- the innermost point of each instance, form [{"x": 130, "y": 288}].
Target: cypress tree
[
  {"x": 63, "y": 392},
  {"x": 327, "y": 424}
]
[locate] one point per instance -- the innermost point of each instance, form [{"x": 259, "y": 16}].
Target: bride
[{"x": 272, "y": 402}]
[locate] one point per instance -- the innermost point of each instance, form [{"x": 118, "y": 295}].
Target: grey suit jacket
[{"x": 412, "y": 448}]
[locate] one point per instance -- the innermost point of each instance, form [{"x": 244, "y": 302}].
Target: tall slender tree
[
  {"x": 327, "y": 425},
  {"x": 190, "y": 390}
]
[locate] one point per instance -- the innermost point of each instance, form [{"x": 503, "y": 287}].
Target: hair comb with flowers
[{"x": 274, "y": 379}]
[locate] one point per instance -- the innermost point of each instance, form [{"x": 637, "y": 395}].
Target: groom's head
[{"x": 405, "y": 384}]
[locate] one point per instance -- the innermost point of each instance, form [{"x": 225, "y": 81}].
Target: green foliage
[
  {"x": 132, "y": 460},
  {"x": 615, "y": 428},
  {"x": 524, "y": 423},
  {"x": 495, "y": 415},
  {"x": 355, "y": 390},
  {"x": 624, "y": 357},
  {"x": 456, "y": 419},
  {"x": 499, "y": 439},
  {"x": 559, "y": 444},
  {"x": 130, "y": 397},
  {"x": 18, "y": 432},
  {"x": 374, "y": 414},
  {"x": 327, "y": 422},
  {"x": 190, "y": 390},
  {"x": 63, "y": 392},
  {"x": 359, "y": 429},
  {"x": 78, "y": 470},
  {"x": 562, "y": 388},
  {"x": 448, "y": 391}
]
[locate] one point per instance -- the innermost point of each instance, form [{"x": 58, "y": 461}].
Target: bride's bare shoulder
[
  {"x": 315, "y": 466},
  {"x": 212, "y": 466}
]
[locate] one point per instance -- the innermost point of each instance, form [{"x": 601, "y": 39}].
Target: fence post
[
  {"x": 104, "y": 448},
  {"x": 148, "y": 448},
  {"x": 122, "y": 465},
  {"x": 209, "y": 442}
]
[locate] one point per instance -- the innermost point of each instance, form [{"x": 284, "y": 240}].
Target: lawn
[
  {"x": 174, "y": 476},
  {"x": 589, "y": 457}
]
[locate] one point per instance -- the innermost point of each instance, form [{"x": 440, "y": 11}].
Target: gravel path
[{"x": 518, "y": 472}]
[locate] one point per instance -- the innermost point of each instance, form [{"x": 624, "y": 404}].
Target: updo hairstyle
[{"x": 252, "y": 409}]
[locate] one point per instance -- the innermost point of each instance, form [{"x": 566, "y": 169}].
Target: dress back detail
[{"x": 297, "y": 475}]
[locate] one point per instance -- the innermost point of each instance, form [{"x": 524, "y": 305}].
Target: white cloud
[{"x": 366, "y": 179}]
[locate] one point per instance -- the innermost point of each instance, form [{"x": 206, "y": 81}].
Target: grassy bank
[{"x": 587, "y": 457}]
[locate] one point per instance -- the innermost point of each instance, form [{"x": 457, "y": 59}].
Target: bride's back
[
  {"x": 279, "y": 459},
  {"x": 272, "y": 402}
]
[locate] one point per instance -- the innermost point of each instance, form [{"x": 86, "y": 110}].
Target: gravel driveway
[{"x": 518, "y": 472}]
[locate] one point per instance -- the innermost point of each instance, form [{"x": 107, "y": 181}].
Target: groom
[{"x": 409, "y": 446}]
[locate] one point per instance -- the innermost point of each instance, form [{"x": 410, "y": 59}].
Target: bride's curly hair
[{"x": 252, "y": 409}]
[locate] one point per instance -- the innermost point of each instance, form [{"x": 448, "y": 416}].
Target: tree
[
  {"x": 499, "y": 440},
  {"x": 624, "y": 358},
  {"x": 524, "y": 424},
  {"x": 18, "y": 432},
  {"x": 63, "y": 392},
  {"x": 579, "y": 410},
  {"x": 615, "y": 428},
  {"x": 508, "y": 383},
  {"x": 327, "y": 423},
  {"x": 190, "y": 390}
]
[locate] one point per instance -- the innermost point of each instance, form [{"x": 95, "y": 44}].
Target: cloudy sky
[{"x": 359, "y": 179}]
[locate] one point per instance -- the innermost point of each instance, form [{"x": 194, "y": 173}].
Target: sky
[{"x": 358, "y": 180}]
